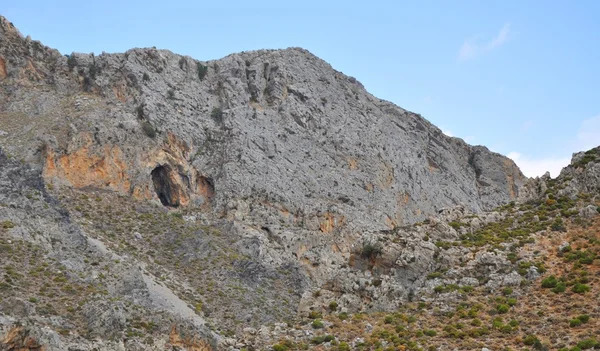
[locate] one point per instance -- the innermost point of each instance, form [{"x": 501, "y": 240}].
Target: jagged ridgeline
[{"x": 149, "y": 201}]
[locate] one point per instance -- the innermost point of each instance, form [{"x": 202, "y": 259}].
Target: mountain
[{"x": 149, "y": 201}]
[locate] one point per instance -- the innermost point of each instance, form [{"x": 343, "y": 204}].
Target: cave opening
[{"x": 164, "y": 186}]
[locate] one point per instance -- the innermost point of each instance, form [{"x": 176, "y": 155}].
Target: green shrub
[
  {"x": 549, "y": 282},
  {"x": 449, "y": 288},
  {"x": 466, "y": 288},
  {"x": 513, "y": 257},
  {"x": 388, "y": 319},
  {"x": 558, "y": 225},
  {"x": 587, "y": 158},
  {"x": 315, "y": 315},
  {"x": 343, "y": 346},
  {"x": 370, "y": 250},
  {"x": 583, "y": 257},
  {"x": 317, "y": 340},
  {"x": 93, "y": 70},
  {"x": 7, "y": 224},
  {"x": 178, "y": 215},
  {"x": 148, "y": 129},
  {"x": 587, "y": 344},
  {"x": 434, "y": 275},
  {"x": 511, "y": 301},
  {"x": 507, "y": 291},
  {"x": 574, "y": 322},
  {"x": 202, "y": 70},
  {"x": 171, "y": 94},
  {"x": 146, "y": 77},
  {"x": 531, "y": 340},
  {"x": 584, "y": 318},
  {"x": 580, "y": 288},
  {"x": 317, "y": 324},
  {"x": 71, "y": 61},
  {"x": 502, "y": 308},
  {"x": 560, "y": 288},
  {"x": 280, "y": 347},
  {"x": 430, "y": 332},
  {"x": 343, "y": 316},
  {"x": 443, "y": 244},
  {"x": 456, "y": 225},
  {"x": 333, "y": 306}
]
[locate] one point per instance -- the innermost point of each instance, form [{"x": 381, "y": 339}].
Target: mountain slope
[{"x": 193, "y": 200}]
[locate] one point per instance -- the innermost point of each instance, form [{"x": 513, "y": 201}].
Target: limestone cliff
[
  {"x": 246, "y": 190},
  {"x": 278, "y": 124}
]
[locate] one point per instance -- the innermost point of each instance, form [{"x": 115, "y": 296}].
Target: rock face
[
  {"x": 284, "y": 125},
  {"x": 298, "y": 167},
  {"x": 580, "y": 177}
]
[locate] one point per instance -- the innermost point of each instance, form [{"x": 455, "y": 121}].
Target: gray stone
[
  {"x": 589, "y": 211},
  {"x": 532, "y": 273},
  {"x": 563, "y": 246}
]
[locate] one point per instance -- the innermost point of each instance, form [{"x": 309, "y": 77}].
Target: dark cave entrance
[{"x": 164, "y": 186}]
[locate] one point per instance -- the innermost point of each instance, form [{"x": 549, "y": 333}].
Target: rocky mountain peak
[
  {"x": 193, "y": 204},
  {"x": 8, "y": 28}
]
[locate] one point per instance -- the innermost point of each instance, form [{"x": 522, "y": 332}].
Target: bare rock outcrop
[{"x": 293, "y": 180}]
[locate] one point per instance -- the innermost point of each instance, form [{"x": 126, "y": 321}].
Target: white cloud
[
  {"x": 474, "y": 47},
  {"x": 587, "y": 137},
  {"x": 448, "y": 132},
  {"x": 537, "y": 167},
  {"x": 467, "y": 51},
  {"x": 500, "y": 38}
]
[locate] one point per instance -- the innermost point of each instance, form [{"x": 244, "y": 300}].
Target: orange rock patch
[
  {"x": 329, "y": 222},
  {"x": 390, "y": 223},
  {"x": 86, "y": 168},
  {"x": 3, "y": 71},
  {"x": 120, "y": 91},
  {"x": 352, "y": 163},
  {"x": 510, "y": 179},
  {"x": 18, "y": 339},
  {"x": 385, "y": 174},
  {"x": 171, "y": 177},
  {"x": 205, "y": 188}
]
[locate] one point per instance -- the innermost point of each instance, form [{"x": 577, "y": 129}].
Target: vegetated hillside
[
  {"x": 151, "y": 201},
  {"x": 549, "y": 303}
]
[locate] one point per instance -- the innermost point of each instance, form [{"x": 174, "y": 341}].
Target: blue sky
[{"x": 521, "y": 78}]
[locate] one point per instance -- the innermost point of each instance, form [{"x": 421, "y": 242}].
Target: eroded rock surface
[{"x": 238, "y": 192}]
